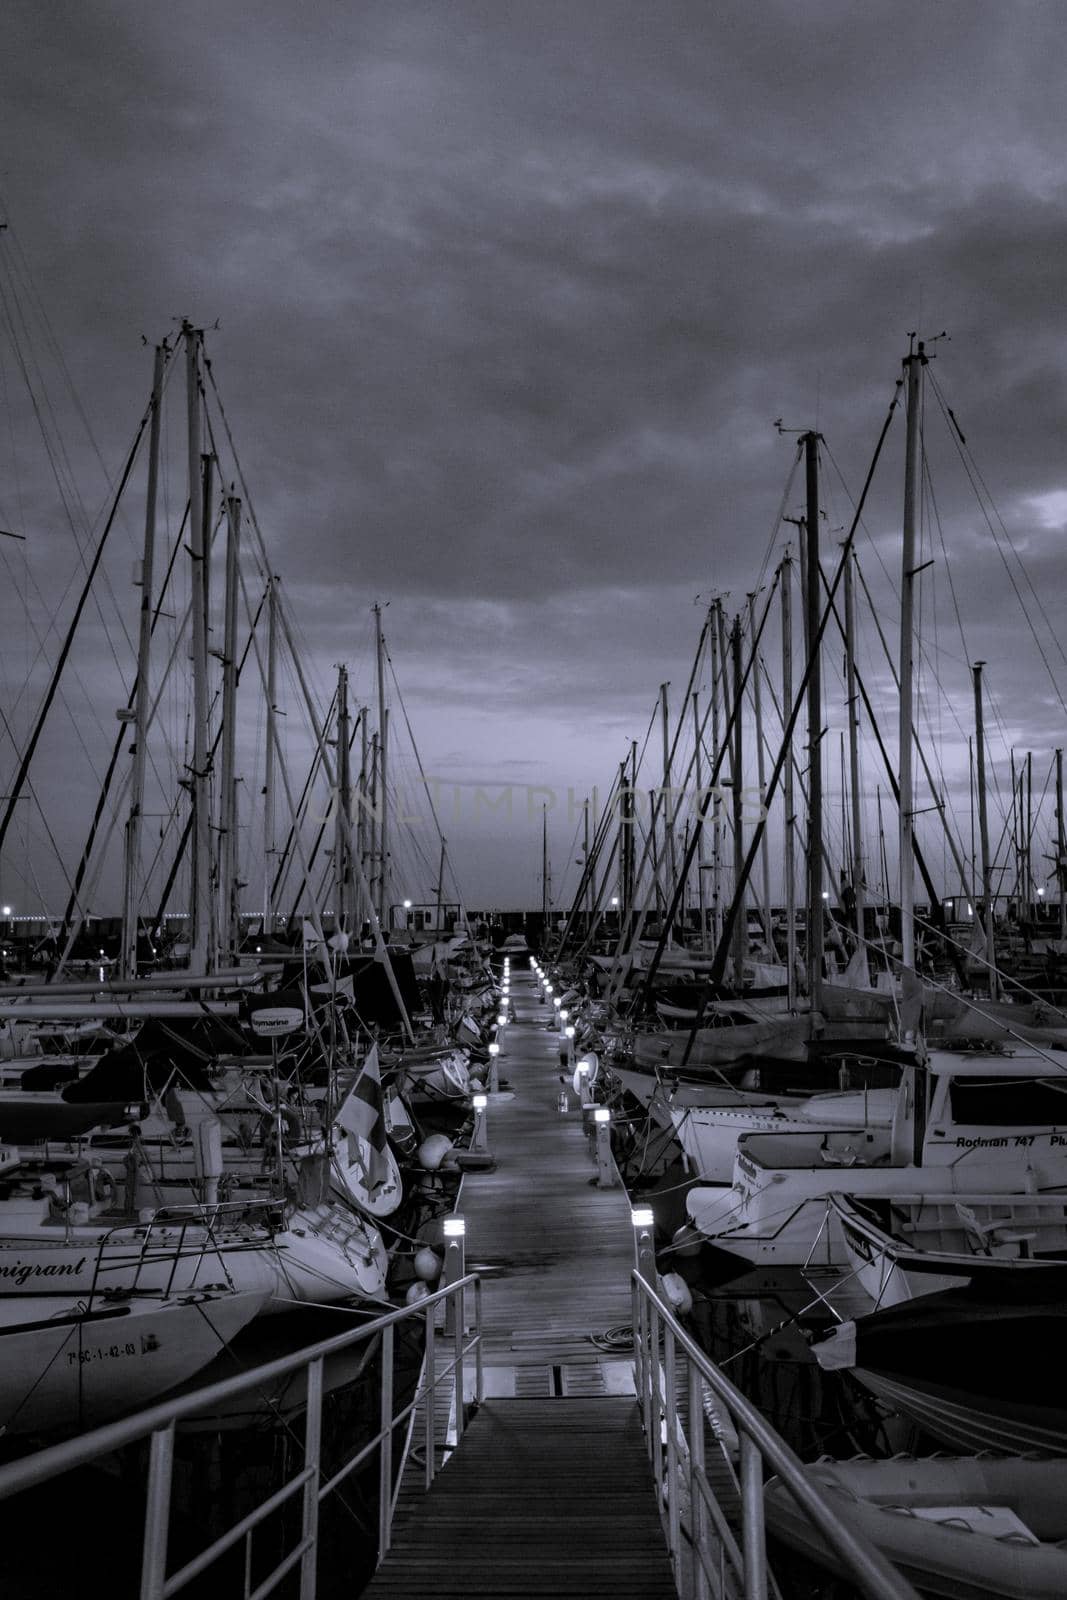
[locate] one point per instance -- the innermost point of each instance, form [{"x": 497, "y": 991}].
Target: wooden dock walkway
[{"x": 550, "y": 1491}]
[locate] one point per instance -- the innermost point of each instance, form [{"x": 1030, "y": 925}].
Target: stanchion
[
  {"x": 480, "y": 1135},
  {"x": 455, "y": 1267},
  {"x": 607, "y": 1176},
  {"x": 644, "y": 1223}
]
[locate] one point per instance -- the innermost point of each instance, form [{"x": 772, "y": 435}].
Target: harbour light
[
  {"x": 640, "y": 1216},
  {"x": 456, "y": 1227},
  {"x": 602, "y": 1114}
]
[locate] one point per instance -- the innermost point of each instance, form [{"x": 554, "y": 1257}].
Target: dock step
[{"x": 543, "y": 1497}]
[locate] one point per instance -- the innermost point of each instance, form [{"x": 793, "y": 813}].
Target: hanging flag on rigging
[{"x": 362, "y": 1116}]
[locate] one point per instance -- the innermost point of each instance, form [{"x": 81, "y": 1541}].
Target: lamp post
[
  {"x": 494, "y": 1070},
  {"x": 480, "y": 1135},
  {"x": 455, "y": 1267},
  {"x": 644, "y": 1223},
  {"x": 607, "y": 1176},
  {"x": 568, "y": 1034}
]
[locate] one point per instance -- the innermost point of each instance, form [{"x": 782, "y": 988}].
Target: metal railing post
[
  {"x": 459, "y": 1295},
  {"x": 655, "y": 1421},
  {"x": 157, "y": 1514},
  {"x": 312, "y": 1459},
  {"x": 430, "y": 1395},
  {"x": 479, "y": 1361},
  {"x": 671, "y": 1414},
  {"x": 385, "y": 1448},
  {"x": 637, "y": 1318},
  {"x": 698, "y": 1520},
  {"x": 753, "y": 1540}
]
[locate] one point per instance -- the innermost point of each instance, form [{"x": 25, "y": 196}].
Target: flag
[{"x": 362, "y": 1116}]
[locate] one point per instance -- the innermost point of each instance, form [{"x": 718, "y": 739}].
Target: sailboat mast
[
  {"x": 983, "y": 829},
  {"x": 714, "y": 636},
  {"x": 761, "y": 775},
  {"x": 789, "y": 850},
  {"x": 200, "y": 868},
  {"x": 229, "y": 918},
  {"x": 668, "y": 798},
  {"x": 914, "y": 365},
  {"x": 269, "y": 850},
  {"x": 1061, "y": 846},
  {"x": 132, "y": 859},
  {"x": 361, "y": 826},
  {"x": 815, "y": 930},
  {"x": 342, "y": 872},
  {"x": 698, "y": 776},
  {"x": 384, "y": 912},
  {"x": 439, "y": 922},
  {"x": 858, "y": 895},
  {"x": 544, "y": 873},
  {"x": 736, "y": 771}
]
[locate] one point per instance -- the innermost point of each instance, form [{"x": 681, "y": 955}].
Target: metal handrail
[
  {"x": 659, "y": 1338},
  {"x": 158, "y": 1424}
]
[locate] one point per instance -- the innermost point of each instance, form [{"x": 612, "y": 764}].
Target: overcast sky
[{"x": 509, "y": 298}]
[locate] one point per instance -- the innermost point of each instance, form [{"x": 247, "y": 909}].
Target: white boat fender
[
  {"x": 416, "y": 1291},
  {"x": 837, "y": 1352},
  {"x": 427, "y": 1264},
  {"x": 432, "y": 1151},
  {"x": 685, "y": 1241},
  {"x": 677, "y": 1292}
]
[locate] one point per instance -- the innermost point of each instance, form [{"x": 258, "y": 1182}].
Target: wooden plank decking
[{"x": 550, "y": 1491}]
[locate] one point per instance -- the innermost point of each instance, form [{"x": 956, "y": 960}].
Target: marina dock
[{"x": 550, "y": 1491}]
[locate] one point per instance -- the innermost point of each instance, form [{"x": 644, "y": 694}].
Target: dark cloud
[{"x": 510, "y": 297}]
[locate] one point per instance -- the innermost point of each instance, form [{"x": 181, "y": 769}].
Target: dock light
[
  {"x": 480, "y": 1102},
  {"x": 569, "y": 1029},
  {"x": 502, "y": 1018},
  {"x": 607, "y": 1173},
  {"x": 494, "y": 1049},
  {"x": 455, "y": 1267},
  {"x": 1041, "y": 891},
  {"x": 407, "y": 905},
  {"x": 557, "y": 1001},
  {"x": 644, "y": 1241},
  {"x": 494, "y": 1069},
  {"x": 826, "y": 894},
  {"x": 7, "y": 911},
  {"x": 548, "y": 988},
  {"x": 563, "y": 1014},
  {"x": 614, "y": 899}
]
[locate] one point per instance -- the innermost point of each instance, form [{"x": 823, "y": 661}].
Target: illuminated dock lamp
[
  {"x": 454, "y": 1230},
  {"x": 501, "y": 1019},
  {"x": 494, "y": 1070},
  {"x": 584, "y": 1093},
  {"x": 480, "y": 1135},
  {"x": 607, "y": 1175},
  {"x": 567, "y": 1047},
  {"x": 644, "y": 1223}
]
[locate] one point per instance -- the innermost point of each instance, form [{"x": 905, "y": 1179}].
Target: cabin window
[{"x": 1009, "y": 1102}]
